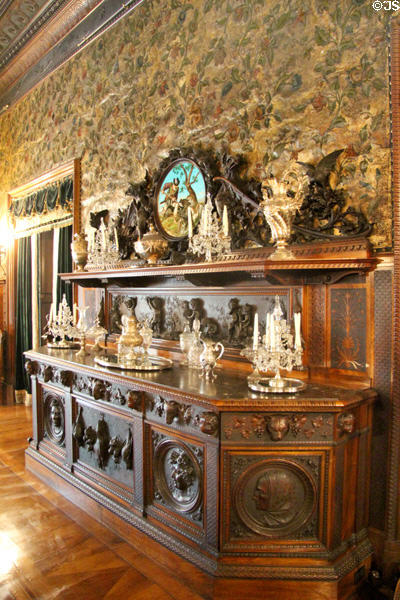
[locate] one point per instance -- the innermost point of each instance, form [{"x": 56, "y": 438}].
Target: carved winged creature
[
  {"x": 325, "y": 212},
  {"x": 322, "y": 170}
]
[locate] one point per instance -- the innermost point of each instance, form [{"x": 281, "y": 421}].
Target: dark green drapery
[
  {"x": 23, "y": 329},
  {"x": 64, "y": 264},
  {"x": 58, "y": 194}
]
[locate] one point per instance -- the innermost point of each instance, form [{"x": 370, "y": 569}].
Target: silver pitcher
[{"x": 212, "y": 352}]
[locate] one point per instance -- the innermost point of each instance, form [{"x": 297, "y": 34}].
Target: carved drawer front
[
  {"x": 276, "y": 428},
  {"x": 103, "y": 448},
  {"x": 99, "y": 389},
  {"x": 270, "y": 498},
  {"x": 176, "y": 482},
  {"x": 181, "y": 416},
  {"x": 56, "y": 376},
  {"x": 53, "y": 421}
]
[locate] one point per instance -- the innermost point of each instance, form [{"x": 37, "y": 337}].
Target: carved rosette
[
  {"x": 54, "y": 418},
  {"x": 178, "y": 474},
  {"x": 274, "y": 498}
]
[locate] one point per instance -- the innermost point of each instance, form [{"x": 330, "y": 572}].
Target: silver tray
[
  {"x": 111, "y": 360},
  {"x": 265, "y": 385}
]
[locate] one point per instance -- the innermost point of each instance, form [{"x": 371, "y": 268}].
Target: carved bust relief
[
  {"x": 54, "y": 418},
  {"x": 274, "y": 497},
  {"x": 177, "y": 475}
]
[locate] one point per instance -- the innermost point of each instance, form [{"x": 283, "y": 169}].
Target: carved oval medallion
[
  {"x": 274, "y": 497},
  {"x": 177, "y": 475},
  {"x": 54, "y": 420}
]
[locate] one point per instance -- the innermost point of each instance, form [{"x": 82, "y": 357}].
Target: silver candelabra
[
  {"x": 103, "y": 251},
  {"x": 61, "y": 325},
  {"x": 213, "y": 237},
  {"x": 278, "y": 349}
]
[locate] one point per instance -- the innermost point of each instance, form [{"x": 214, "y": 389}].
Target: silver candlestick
[
  {"x": 81, "y": 330},
  {"x": 213, "y": 237},
  {"x": 278, "y": 349}
]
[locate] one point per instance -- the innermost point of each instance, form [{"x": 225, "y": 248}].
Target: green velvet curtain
[
  {"x": 64, "y": 264},
  {"x": 55, "y": 195},
  {"x": 23, "y": 329}
]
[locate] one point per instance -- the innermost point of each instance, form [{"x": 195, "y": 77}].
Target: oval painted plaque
[{"x": 181, "y": 186}]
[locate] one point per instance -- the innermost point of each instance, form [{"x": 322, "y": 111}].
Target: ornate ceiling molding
[
  {"x": 64, "y": 28},
  {"x": 21, "y": 23}
]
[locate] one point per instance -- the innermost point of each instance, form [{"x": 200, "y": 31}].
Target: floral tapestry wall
[{"x": 270, "y": 80}]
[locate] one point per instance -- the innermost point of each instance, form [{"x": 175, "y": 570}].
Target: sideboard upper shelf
[{"x": 314, "y": 263}]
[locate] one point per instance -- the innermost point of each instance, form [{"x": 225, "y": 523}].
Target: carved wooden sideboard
[{"x": 249, "y": 488}]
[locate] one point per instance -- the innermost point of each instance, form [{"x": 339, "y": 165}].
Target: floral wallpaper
[{"x": 270, "y": 80}]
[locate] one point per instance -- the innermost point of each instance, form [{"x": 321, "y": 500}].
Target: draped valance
[{"x": 43, "y": 209}]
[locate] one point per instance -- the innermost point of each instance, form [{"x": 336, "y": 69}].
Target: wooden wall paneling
[
  {"x": 317, "y": 331},
  {"x": 382, "y": 284},
  {"x": 306, "y": 323},
  {"x": 347, "y": 326},
  {"x": 392, "y": 524}
]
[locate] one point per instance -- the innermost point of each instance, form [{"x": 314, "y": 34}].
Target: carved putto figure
[
  {"x": 234, "y": 326},
  {"x": 246, "y": 322},
  {"x": 156, "y": 321}
]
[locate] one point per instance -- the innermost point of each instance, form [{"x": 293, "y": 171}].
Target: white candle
[
  {"x": 93, "y": 240},
  {"x": 103, "y": 234},
  {"x": 190, "y": 223},
  {"x": 273, "y": 334},
  {"x": 267, "y": 330},
  {"x": 75, "y": 313},
  {"x": 116, "y": 239},
  {"x": 255, "y": 332},
  {"x": 59, "y": 312},
  {"x": 205, "y": 222},
  {"x": 297, "y": 328},
  {"x": 225, "y": 224},
  {"x": 51, "y": 315}
]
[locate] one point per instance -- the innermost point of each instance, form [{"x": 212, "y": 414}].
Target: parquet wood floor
[{"x": 51, "y": 549}]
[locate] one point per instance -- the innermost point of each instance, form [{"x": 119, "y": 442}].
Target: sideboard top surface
[{"x": 229, "y": 391}]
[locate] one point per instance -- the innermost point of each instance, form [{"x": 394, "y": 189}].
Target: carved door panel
[
  {"x": 52, "y": 422},
  {"x": 103, "y": 448},
  {"x": 175, "y": 485},
  {"x": 272, "y": 498}
]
